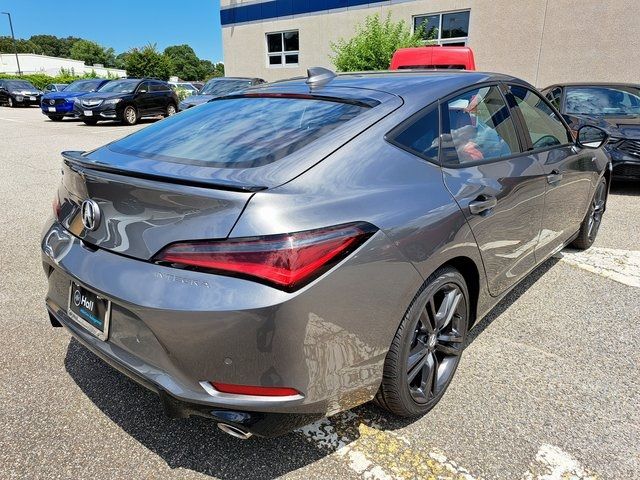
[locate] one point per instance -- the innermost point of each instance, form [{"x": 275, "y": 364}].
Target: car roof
[{"x": 421, "y": 84}]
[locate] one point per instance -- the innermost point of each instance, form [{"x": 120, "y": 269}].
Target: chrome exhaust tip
[{"x": 234, "y": 431}]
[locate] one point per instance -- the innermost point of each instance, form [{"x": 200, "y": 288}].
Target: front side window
[
  {"x": 477, "y": 127},
  {"x": 283, "y": 49},
  {"x": 541, "y": 122},
  {"x": 239, "y": 132},
  {"x": 444, "y": 28},
  {"x": 618, "y": 100}
]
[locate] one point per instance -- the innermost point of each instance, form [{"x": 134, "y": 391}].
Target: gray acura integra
[{"x": 301, "y": 248}]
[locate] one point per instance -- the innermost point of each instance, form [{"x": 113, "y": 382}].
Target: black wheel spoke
[
  {"x": 433, "y": 383},
  {"x": 425, "y": 323},
  {"x": 417, "y": 363},
  {"x": 448, "y": 308},
  {"x": 447, "y": 349},
  {"x": 452, "y": 337}
]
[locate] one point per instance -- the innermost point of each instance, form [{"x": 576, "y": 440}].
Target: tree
[
  {"x": 22, "y": 46},
  {"x": 184, "y": 62},
  {"x": 373, "y": 45},
  {"x": 147, "y": 62},
  {"x": 91, "y": 53},
  {"x": 209, "y": 69}
]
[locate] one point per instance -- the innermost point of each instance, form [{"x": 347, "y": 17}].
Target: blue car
[{"x": 57, "y": 105}]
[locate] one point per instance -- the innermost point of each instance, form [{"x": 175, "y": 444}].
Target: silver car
[{"x": 303, "y": 247}]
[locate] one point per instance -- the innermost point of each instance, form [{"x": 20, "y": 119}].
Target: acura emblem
[
  {"x": 90, "y": 214},
  {"x": 52, "y": 102}
]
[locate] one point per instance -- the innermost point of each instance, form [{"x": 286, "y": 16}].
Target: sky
[{"x": 121, "y": 24}]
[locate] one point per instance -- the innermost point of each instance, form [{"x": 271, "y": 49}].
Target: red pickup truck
[{"x": 433, "y": 57}]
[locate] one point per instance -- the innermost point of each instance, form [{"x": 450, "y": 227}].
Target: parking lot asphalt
[{"x": 549, "y": 383}]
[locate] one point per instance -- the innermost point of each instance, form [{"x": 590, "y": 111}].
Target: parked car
[
  {"x": 276, "y": 256},
  {"x": 218, "y": 87},
  {"x": 614, "y": 107},
  {"x": 55, "y": 87},
  {"x": 127, "y": 100},
  {"x": 433, "y": 57},
  {"x": 57, "y": 105},
  {"x": 16, "y": 93},
  {"x": 198, "y": 85}
]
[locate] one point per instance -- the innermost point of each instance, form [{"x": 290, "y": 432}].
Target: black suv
[
  {"x": 127, "y": 100},
  {"x": 19, "y": 92}
]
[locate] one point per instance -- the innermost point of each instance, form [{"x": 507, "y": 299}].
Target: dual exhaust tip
[{"x": 234, "y": 431}]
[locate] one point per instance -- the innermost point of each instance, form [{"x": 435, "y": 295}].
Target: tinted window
[
  {"x": 478, "y": 128},
  {"x": 120, "y": 86},
  {"x": 238, "y": 132},
  {"x": 603, "y": 100},
  {"x": 83, "y": 86},
  {"x": 554, "y": 97},
  {"x": 421, "y": 136},
  {"x": 159, "y": 87},
  {"x": 219, "y": 87},
  {"x": 545, "y": 129}
]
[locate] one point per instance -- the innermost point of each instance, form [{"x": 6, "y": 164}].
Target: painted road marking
[
  {"x": 11, "y": 120},
  {"x": 623, "y": 266},
  {"x": 374, "y": 453}
]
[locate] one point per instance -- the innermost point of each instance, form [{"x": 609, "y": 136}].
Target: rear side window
[
  {"x": 544, "y": 127},
  {"x": 421, "y": 136},
  {"x": 239, "y": 132},
  {"x": 159, "y": 87},
  {"x": 477, "y": 127}
]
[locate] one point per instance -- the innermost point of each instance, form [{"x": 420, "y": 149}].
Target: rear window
[{"x": 238, "y": 132}]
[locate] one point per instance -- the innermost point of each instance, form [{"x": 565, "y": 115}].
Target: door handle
[
  {"x": 482, "y": 204},
  {"x": 554, "y": 177}
]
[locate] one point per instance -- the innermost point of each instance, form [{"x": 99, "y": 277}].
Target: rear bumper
[
  {"x": 262, "y": 424},
  {"x": 171, "y": 329}
]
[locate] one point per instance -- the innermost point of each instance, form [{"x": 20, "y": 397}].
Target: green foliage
[
  {"x": 373, "y": 45},
  {"x": 182, "y": 93},
  {"x": 184, "y": 62},
  {"x": 40, "y": 80},
  {"x": 92, "y": 53},
  {"x": 147, "y": 62},
  {"x": 177, "y": 60}
]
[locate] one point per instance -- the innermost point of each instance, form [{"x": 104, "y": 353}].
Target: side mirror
[{"x": 591, "y": 137}]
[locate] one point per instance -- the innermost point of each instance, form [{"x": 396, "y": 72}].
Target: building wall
[
  {"x": 32, "y": 63},
  {"x": 542, "y": 41}
]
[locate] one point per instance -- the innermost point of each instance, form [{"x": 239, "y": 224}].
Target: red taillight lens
[
  {"x": 286, "y": 261},
  {"x": 55, "y": 204},
  {"x": 252, "y": 390}
]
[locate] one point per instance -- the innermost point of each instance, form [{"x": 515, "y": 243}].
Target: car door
[
  {"x": 159, "y": 94},
  {"x": 144, "y": 99},
  {"x": 499, "y": 189},
  {"x": 569, "y": 172},
  {"x": 3, "y": 92}
]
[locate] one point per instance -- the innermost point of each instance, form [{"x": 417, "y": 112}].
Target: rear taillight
[
  {"x": 55, "y": 205},
  {"x": 254, "y": 390},
  {"x": 287, "y": 261}
]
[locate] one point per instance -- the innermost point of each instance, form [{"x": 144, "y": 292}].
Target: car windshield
[
  {"x": 120, "y": 86},
  {"x": 238, "y": 132},
  {"x": 605, "y": 101},
  {"x": 219, "y": 88},
  {"x": 21, "y": 84},
  {"x": 83, "y": 86}
]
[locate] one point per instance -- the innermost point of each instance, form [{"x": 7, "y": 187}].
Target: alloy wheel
[
  {"x": 130, "y": 115},
  {"x": 596, "y": 210},
  {"x": 171, "y": 110},
  {"x": 437, "y": 343}
]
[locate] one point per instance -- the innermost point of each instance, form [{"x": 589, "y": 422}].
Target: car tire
[
  {"x": 591, "y": 223},
  {"x": 90, "y": 121},
  {"x": 426, "y": 349},
  {"x": 55, "y": 118},
  {"x": 129, "y": 115},
  {"x": 171, "y": 110}
]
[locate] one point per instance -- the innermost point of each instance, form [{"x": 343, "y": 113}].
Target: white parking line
[
  {"x": 623, "y": 266},
  {"x": 11, "y": 120}
]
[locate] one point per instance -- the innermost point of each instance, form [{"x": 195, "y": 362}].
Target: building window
[
  {"x": 283, "y": 49},
  {"x": 450, "y": 28}
]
